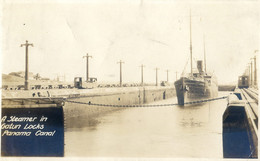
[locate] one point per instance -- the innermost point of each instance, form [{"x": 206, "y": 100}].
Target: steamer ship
[{"x": 198, "y": 84}]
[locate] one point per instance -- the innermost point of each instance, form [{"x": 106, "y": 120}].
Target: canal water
[{"x": 176, "y": 132}]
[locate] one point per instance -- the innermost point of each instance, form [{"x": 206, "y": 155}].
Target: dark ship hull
[{"x": 193, "y": 90}]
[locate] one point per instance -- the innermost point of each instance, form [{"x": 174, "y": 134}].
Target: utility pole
[
  {"x": 26, "y": 84},
  {"x": 156, "y": 69},
  {"x": 248, "y": 70},
  {"x": 167, "y": 71},
  {"x": 255, "y": 71},
  {"x": 120, "y": 62},
  {"x": 142, "y": 74},
  {"x": 58, "y": 77},
  {"x": 87, "y": 67},
  {"x": 251, "y": 73},
  {"x": 255, "y": 68}
]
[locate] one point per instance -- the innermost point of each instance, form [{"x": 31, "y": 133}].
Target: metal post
[
  {"x": 120, "y": 62},
  {"x": 251, "y": 73},
  {"x": 120, "y": 74},
  {"x": 255, "y": 68},
  {"x": 255, "y": 71},
  {"x": 248, "y": 72},
  {"x": 87, "y": 66},
  {"x": 26, "y": 83},
  {"x": 156, "y": 69},
  {"x": 142, "y": 74},
  {"x": 58, "y": 78},
  {"x": 167, "y": 71}
]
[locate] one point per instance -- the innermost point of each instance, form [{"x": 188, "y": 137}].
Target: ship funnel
[{"x": 200, "y": 66}]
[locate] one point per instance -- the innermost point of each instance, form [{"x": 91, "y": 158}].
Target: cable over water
[{"x": 145, "y": 105}]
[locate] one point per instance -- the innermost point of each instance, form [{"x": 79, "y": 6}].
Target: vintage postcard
[{"x": 129, "y": 79}]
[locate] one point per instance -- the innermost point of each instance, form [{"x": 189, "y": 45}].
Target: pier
[
  {"x": 240, "y": 125},
  {"x": 251, "y": 97},
  {"x": 240, "y": 119}
]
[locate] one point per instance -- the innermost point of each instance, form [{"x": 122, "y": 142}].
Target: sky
[{"x": 155, "y": 33}]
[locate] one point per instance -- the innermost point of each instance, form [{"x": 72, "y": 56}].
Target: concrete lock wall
[
  {"x": 72, "y": 111},
  {"x": 112, "y": 96}
]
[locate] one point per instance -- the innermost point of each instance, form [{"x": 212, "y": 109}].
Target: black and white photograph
[{"x": 129, "y": 79}]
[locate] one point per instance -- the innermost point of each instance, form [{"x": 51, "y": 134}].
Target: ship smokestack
[{"x": 200, "y": 66}]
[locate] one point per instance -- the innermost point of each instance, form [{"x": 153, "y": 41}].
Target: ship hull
[{"x": 194, "y": 90}]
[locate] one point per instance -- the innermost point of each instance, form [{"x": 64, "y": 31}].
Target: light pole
[
  {"x": 167, "y": 71},
  {"x": 156, "y": 69},
  {"x": 255, "y": 68},
  {"x": 120, "y": 62},
  {"x": 87, "y": 66},
  {"x": 26, "y": 84},
  {"x": 142, "y": 74},
  {"x": 251, "y": 73}
]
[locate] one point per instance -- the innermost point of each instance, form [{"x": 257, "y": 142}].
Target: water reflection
[{"x": 189, "y": 131}]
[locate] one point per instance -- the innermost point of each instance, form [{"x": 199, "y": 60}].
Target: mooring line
[{"x": 144, "y": 105}]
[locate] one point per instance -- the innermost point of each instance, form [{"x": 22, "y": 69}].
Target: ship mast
[
  {"x": 204, "y": 54},
  {"x": 190, "y": 47}
]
